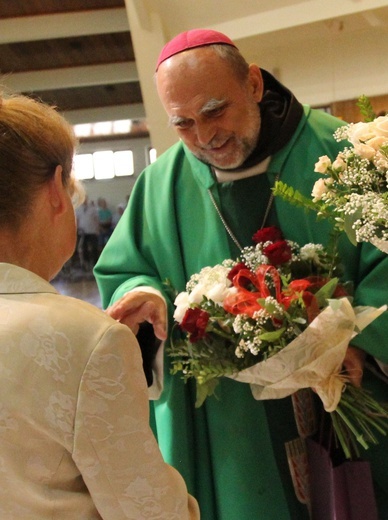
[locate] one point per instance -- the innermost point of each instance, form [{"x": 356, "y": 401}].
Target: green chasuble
[{"x": 231, "y": 450}]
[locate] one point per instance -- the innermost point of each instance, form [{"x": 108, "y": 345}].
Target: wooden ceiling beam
[
  {"x": 111, "y": 113},
  {"x": 71, "y": 77},
  {"x": 63, "y": 25}
]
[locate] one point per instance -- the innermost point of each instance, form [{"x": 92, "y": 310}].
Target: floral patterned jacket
[{"x": 75, "y": 440}]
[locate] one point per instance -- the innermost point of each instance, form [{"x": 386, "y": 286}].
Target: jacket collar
[{"x": 16, "y": 280}]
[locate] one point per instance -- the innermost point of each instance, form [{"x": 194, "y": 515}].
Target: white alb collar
[{"x": 257, "y": 169}]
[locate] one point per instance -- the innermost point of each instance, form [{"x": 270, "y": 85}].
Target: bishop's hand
[{"x": 137, "y": 307}]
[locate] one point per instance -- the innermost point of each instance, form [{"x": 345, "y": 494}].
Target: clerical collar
[{"x": 234, "y": 175}]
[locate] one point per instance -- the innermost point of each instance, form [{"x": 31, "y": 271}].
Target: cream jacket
[{"x": 74, "y": 436}]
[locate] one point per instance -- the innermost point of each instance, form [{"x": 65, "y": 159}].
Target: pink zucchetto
[{"x": 190, "y": 40}]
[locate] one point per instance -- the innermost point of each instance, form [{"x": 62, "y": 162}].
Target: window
[
  {"x": 152, "y": 155},
  {"x": 123, "y": 163},
  {"x": 122, "y": 126},
  {"x": 104, "y": 128},
  {"x": 83, "y": 166},
  {"x": 104, "y": 164}
]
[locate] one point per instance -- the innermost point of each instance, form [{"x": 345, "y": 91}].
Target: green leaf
[
  {"x": 366, "y": 108},
  {"x": 272, "y": 336},
  {"x": 289, "y": 194},
  {"x": 349, "y": 221},
  {"x": 205, "y": 390},
  {"x": 326, "y": 292}
]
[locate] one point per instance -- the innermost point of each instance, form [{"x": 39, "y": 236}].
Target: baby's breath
[
  {"x": 354, "y": 190},
  {"x": 253, "y": 256}
]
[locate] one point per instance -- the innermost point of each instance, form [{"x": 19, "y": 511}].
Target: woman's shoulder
[{"x": 78, "y": 316}]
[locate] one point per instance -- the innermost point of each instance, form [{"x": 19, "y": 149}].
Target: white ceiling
[{"x": 259, "y": 17}]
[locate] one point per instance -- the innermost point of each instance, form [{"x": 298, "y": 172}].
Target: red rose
[
  {"x": 267, "y": 234},
  {"x": 232, "y": 273},
  {"x": 278, "y": 253},
  {"x": 195, "y": 322}
]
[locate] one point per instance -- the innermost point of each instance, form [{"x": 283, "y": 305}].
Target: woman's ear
[
  {"x": 57, "y": 192},
  {"x": 256, "y": 81}
]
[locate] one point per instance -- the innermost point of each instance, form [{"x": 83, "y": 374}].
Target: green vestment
[{"x": 231, "y": 450}]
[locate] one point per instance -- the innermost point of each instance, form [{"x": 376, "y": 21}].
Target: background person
[
  {"x": 118, "y": 214},
  {"x": 239, "y": 130},
  {"x": 75, "y": 440},
  {"x": 88, "y": 225},
  {"x": 105, "y": 220}
]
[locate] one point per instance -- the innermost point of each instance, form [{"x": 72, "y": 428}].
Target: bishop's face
[{"x": 214, "y": 113}]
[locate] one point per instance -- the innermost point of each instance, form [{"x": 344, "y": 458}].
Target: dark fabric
[
  {"x": 149, "y": 345},
  {"x": 251, "y": 214},
  {"x": 280, "y": 113}
]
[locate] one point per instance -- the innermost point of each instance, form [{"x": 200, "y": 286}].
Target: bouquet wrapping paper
[{"x": 314, "y": 358}]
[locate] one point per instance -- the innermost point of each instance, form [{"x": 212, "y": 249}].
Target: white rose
[
  {"x": 339, "y": 164},
  {"x": 182, "y": 304},
  {"x": 319, "y": 188},
  {"x": 361, "y": 132},
  {"x": 323, "y": 164},
  {"x": 381, "y": 124},
  {"x": 377, "y": 142},
  {"x": 197, "y": 293},
  {"x": 217, "y": 292},
  {"x": 365, "y": 151}
]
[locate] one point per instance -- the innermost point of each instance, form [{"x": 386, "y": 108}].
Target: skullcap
[{"x": 191, "y": 39}]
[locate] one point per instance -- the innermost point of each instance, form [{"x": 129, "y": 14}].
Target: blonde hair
[{"x": 34, "y": 140}]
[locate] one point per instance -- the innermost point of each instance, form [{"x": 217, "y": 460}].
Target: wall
[
  {"x": 331, "y": 67},
  {"x": 349, "y": 111}
]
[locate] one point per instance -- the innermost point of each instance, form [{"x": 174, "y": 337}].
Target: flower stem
[{"x": 359, "y": 436}]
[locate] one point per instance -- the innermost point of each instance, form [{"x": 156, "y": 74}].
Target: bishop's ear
[{"x": 256, "y": 81}]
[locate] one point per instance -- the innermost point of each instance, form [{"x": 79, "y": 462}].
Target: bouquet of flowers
[
  {"x": 354, "y": 189},
  {"x": 278, "y": 318}
]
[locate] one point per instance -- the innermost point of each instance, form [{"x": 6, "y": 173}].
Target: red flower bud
[
  {"x": 195, "y": 322},
  {"x": 267, "y": 234},
  {"x": 278, "y": 253}
]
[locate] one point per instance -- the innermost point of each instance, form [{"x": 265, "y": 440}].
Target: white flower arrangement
[{"x": 354, "y": 191}]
